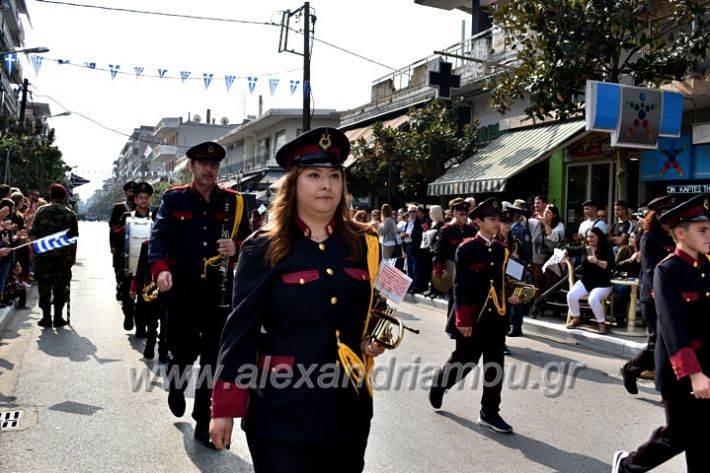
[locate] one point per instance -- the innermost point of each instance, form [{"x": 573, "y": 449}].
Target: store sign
[
  {"x": 670, "y": 162},
  {"x": 634, "y": 116},
  {"x": 688, "y": 188}
]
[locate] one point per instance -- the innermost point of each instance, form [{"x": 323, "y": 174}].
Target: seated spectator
[
  {"x": 15, "y": 288},
  {"x": 627, "y": 265},
  {"x": 595, "y": 282}
]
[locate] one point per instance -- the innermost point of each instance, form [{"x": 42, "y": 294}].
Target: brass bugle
[
  {"x": 382, "y": 333},
  {"x": 150, "y": 292}
]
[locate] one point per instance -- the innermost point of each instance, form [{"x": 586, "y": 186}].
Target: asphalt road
[{"x": 91, "y": 403}]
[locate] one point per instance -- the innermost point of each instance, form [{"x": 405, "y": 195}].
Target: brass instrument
[
  {"x": 386, "y": 321},
  {"x": 150, "y": 292},
  {"x": 224, "y": 262},
  {"x": 524, "y": 292}
]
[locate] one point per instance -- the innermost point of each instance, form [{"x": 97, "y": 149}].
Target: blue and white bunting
[
  {"x": 113, "y": 68},
  {"x": 139, "y": 70},
  {"x": 306, "y": 88},
  {"x": 207, "y": 77},
  {"x": 10, "y": 60},
  {"x": 90, "y": 65},
  {"x": 252, "y": 83},
  {"x": 273, "y": 83},
  {"x": 161, "y": 72},
  {"x": 229, "y": 80},
  {"x": 52, "y": 242},
  {"x": 294, "y": 85},
  {"x": 36, "y": 63},
  {"x": 63, "y": 61},
  {"x": 184, "y": 75}
]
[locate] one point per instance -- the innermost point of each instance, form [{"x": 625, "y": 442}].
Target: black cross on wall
[{"x": 444, "y": 80}]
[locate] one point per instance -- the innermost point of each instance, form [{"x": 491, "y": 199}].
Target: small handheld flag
[{"x": 52, "y": 242}]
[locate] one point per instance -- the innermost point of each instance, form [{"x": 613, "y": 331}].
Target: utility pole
[
  {"x": 307, "y": 67},
  {"x": 283, "y": 46},
  {"x": 23, "y": 104}
]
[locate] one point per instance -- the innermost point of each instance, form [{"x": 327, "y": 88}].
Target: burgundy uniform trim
[
  {"x": 464, "y": 315},
  {"x": 159, "y": 266},
  {"x": 276, "y": 363},
  {"x": 301, "y": 277},
  {"x": 357, "y": 273},
  {"x": 685, "y": 362},
  {"x": 229, "y": 400},
  {"x": 686, "y": 257}
]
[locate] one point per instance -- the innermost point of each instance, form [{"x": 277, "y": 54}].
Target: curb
[
  {"x": 608, "y": 344},
  {"x": 6, "y": 314}
]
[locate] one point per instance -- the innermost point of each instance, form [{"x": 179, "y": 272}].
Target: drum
[{"x": 137, "y": 231}]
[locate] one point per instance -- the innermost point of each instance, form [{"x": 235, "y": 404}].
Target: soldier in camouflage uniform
[{"x": 53, "y": 268}]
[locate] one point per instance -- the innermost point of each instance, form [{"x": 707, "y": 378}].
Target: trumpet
[
  {"x": 150, "y": 292},
  {"x": 382, "y": 333},
  {"x": 524, "y": 292}
]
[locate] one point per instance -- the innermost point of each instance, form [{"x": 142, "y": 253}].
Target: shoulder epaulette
[
  {"x": 178, "y": 188},
  {"x": 500, "y": 242},
  {"x": 229, "y": 190},
  {"x": 467, "y": 241}
]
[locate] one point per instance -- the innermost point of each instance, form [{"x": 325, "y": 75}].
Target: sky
[{"x": 393, "y": 33}]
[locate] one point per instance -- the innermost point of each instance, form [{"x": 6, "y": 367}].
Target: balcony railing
[
  {"x": 166, "y": 125},
  {"x": 165, "y": 152},
  {"x": 487, "y": 48}
]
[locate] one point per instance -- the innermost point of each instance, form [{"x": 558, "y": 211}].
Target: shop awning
[
  {"x": 490, "y": 168},
  {"x": 366, "y": 134}
]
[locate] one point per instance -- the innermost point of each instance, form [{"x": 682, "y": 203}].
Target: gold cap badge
[{"x": 325, "y": 141}]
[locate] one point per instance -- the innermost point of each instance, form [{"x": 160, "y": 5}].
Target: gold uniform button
[
  {"x": 204, "y": 243},
  {"x": 321, "y": 247},
  {"x": 490, "y": 249},
  {"x": 687, "y": 299},
  {"x": 330, "y": 271},
  {"x": 702, "y": 275},
  {"x": 492, "y": 263},
  {"x": 492, "y": 281},
  {"x": 333, "y": 300},
  {"x": 182, "y": 218},
  {"x": 490, "y": 310},
  {"x": 205, "y": 227},
  {"x": 707, "y": 294},
  {"x": 204, "y": 213},
  {"x": 301, "y": 281}
]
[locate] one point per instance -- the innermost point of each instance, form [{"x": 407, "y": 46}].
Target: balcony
[
  {"x": 475, "y": 60},
  {"x": 167, "y": 126},
  {"x": 165, "y": 153},
  {"x": 9, "y": 101}
]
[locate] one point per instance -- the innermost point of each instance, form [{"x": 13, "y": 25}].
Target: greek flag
[{"x": 52, "y": 242}]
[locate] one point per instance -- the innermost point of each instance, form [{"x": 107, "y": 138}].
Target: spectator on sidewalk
[
  {"x": 15, "y": 289},
  {"x": 388, "y": 233}
]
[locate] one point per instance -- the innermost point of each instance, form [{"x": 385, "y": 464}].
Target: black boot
[
  {"x": 46, "y": 321},
  {"x": 58, "y": 320},
  {"x": 149, "y": 350}
]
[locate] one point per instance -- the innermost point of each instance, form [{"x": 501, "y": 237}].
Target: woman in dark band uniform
[{"x": 302, "y": 295}]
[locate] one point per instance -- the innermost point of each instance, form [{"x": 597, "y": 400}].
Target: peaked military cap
[
  {"x": 129, "y": 185},
  {"x": 694, "y": 209},
  {"x": 510, "y": 212},
  {"x": 459, "y": 204},
  {"x": 488, "y": 207},
  {"x": 321, "y": 147},
  {"x": 207, "y": 151},
  {"x": 143, "y": 187},
  {"x": 664, "y": 203}
]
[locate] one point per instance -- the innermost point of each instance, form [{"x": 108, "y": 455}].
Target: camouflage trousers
[{"x": 52, "y": 280}]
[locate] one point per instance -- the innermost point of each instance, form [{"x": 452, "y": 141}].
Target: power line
[
  {"x": 210, "y": 18},
  {"x": 173, "y": 15}
]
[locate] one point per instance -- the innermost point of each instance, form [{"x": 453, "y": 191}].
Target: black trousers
[
  {"x": 192, "y": 332},
  {"x": 488, "y": 340},
  {"x": 278, "y": 456},
  {"x": 644, "y": 361},
  {"x": 686, "y": 421}
]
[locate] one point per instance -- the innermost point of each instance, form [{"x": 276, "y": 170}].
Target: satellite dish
[
  {"x": 224, "y": 121},
  {"x": 196, "y": 118}
]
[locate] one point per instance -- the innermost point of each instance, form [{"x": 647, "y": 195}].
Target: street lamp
[
  {"x": 63, "y": 114},
  {"x": 38, "y": 49}
]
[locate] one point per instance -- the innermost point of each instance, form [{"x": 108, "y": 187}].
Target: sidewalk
[
  {"x": 6, "y": 313},
  {"x": 624, "y": 343}
]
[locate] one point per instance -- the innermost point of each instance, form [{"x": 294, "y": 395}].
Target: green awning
[{"x": 489, "y": 169}]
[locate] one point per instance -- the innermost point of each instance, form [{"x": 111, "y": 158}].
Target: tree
[
  {"x": 34, "y": 161},
  {"x": 562, "y": 43},
  {"x": 432, "y": 142}
]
